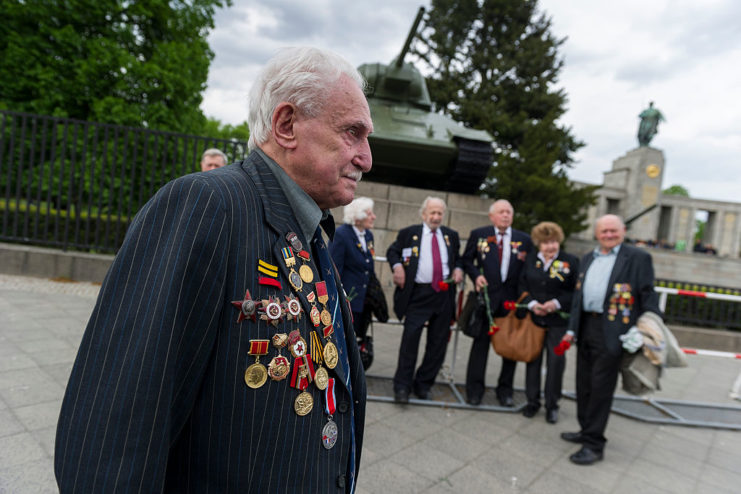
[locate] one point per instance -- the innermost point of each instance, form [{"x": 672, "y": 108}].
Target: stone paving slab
[{"x": 407, "y": 448}]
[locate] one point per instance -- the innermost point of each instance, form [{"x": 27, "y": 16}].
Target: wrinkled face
[
  {"x": 332, "y": 151},
  {"x": 211, "y": 163},
  {"x": 368, "y": 222},
  {"x": 433, "y": 214},
  {"x": 609, "y": 232},
  {"x": 549, "y": 248},
  {"x": 501, "y": 215}
]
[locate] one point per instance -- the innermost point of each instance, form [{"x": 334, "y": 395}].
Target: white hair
[
  {"x": 357, "y": 210},
  {"x": 427, "y": 201},
  {"x": 299, "y": 75}
]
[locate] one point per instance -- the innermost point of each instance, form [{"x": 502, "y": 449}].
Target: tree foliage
[
  {"x": 142, "y": 63},
  {"x": 676, "y": 190},
  {"x": 493, "y": 65}
]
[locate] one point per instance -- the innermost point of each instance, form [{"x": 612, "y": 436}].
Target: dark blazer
[
  {"x": 157, "y": 400},
  {"x": 410, "y": 238},
  {"x": 475, "y": 257},
  {"x": 354, "y": 264},
  {"x": 633, "y": 273},
  {"x": 557, "y": 282}
]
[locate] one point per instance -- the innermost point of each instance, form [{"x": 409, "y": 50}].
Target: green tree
[
  {"x": 676, "y": 190},
  {"x": 130, "y": 62},
  {"x": 493, "y": 65}
]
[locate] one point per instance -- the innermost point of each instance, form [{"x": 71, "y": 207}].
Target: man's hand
[
  {"x": 457, "y": 275},
  {"x": 481, "y": 282},
  {"x": 399, "y": 276}
]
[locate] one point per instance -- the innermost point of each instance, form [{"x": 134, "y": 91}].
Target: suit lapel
[
  {"x": 620, "y": 263},
  {"x": 279, "y": 216}
]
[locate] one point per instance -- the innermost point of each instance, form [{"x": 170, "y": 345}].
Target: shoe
[
  {"x": 401, "y": 397},
  {"x": 586, "y": 456},
  {"x": 530, "y": 410},
  {"x": 423, "y": 395},
  {"x": 551, "y": 416},
  {"x": 474, "y": 401},
  {"x": 506, "y": 401},
  {"x": 572, "y": 437}
]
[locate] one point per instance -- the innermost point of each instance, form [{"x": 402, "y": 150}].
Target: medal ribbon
[
  {"x": 321, "y": 291},
  {"x": 316, "y": 348},
  {"x": 259, "y": 347},
  {"x": 288, "y": 256},
  {"x": 301, "y": 383},
  {"x": 264, "y": 280},
  {"x": 329, "y": 406},
  {"x": 304, "y": 255}
]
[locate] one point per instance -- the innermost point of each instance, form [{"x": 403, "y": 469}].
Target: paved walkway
[{"x": 407, "y": 449}]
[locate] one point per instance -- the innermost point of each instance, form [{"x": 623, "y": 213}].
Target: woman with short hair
[{"x": 549, "y": 278}]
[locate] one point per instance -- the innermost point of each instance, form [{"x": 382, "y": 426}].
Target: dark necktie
[
  {"x": 500, "y": 246},
  {"x": 327, "y": 274},
  {"x": 437, "y": 263}
]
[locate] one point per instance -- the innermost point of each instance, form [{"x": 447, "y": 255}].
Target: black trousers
[
  {"x": 476, "y": 370},
  {"x": 555, "y": 366},
  {"x": 424, "y": 305},
  {"x": 596, "y": 377}
]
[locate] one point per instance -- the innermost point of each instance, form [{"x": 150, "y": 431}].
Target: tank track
[{"x": 471, "y": 166}]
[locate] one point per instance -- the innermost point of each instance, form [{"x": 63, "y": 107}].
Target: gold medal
[
  {"x": 303, "y": 404},
  {"x": 330, "y": 355},
  {"x": 255, "y": 375},
  {"x": 321, "y": 378},
  {"x": 278, "y": 368},
  {"x": 306, "y": 273},
  {"x": 326, "y": 317}
]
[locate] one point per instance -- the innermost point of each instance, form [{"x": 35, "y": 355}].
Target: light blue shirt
[{"x": 597, "y": 278}]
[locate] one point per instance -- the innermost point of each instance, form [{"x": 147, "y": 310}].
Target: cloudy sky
[{"x": 683, "y": 55}]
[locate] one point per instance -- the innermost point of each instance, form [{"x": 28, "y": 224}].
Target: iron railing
[{"x": 73, "y": 184}]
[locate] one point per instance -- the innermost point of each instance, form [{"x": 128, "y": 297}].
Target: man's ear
[{"x": 283, "y": 125}]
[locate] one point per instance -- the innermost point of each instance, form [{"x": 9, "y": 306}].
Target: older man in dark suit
[
  {"x": 421, "y": 258},
  {"x": 614, "y": 288},
  {"x": 493, "y": 259},
  {"x": 221, "y": 274}
]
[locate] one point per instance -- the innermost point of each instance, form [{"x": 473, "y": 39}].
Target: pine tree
[
  {"x": 493, "y": 65},
  {"x": 128, "y": 62}
]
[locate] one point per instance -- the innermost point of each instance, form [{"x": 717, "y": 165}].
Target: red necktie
[{"x": 437, "y": 264}]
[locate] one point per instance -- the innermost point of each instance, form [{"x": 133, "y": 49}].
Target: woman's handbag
[
  {"x": 518, "y": 339},
  {"x": 473, "y": 319}
]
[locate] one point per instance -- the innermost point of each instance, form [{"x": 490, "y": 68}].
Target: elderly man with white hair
[
  {"x": 423, "y": 258},
  {"x": 220, "y": 356}
]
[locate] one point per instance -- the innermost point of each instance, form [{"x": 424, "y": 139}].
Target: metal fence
[
  {"x": 73, "y": 184},
  {"x": 701, "y": 305}
]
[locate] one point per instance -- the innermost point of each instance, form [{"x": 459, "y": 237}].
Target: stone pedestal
[{"x": 638, "y": 174}]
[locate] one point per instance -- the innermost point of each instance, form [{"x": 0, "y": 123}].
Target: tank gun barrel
[{"x": 410, "y": 37}]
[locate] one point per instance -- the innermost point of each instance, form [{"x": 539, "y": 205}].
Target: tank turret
[{"x": 413, "y": 146}]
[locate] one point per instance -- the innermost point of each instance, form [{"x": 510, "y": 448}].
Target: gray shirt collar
[{"x": 304, "y": 208}]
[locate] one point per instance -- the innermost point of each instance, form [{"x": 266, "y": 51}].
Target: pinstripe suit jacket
[{"x": 157, "y": 400}]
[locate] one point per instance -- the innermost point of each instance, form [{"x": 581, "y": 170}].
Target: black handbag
[{"x": 473, "y": 320}]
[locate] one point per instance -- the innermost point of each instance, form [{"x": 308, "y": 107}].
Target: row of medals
[{"x": 273, "y": 310}]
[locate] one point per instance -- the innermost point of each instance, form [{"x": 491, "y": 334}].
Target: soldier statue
[{"x": 647, "y": 129}]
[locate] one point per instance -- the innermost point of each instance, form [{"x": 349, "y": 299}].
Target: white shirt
[
  {"x": 506, "y": 250},
  {"x": 424, "y": 267},
  {"x": 361, "y": 237}
]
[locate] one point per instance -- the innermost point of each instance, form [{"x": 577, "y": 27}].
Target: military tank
[{"x": 412, "y": 145}]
